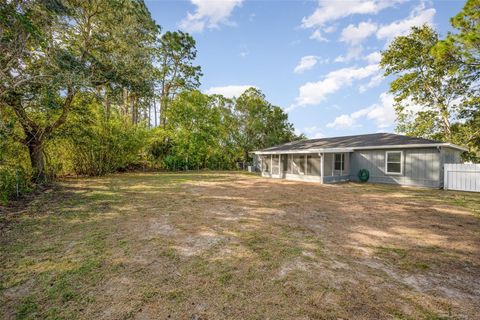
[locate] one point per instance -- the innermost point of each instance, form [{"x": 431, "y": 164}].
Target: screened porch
[{"x": 321, "y": 167}]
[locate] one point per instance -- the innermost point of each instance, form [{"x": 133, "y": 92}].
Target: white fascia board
[
  {"x": 407, "y": 146},
  {"x": 328, "y": 150}
]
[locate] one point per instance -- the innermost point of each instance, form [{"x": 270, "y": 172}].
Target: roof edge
[{"x": 398, "y": 146}]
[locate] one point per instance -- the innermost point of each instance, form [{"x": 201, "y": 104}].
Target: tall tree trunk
[
  {"x": 163, "y": 111},
  {"x": 149, "y": 115},
  {"x": 134, "y": 115},
  {"x": 37, "y": 159},
  {"x": 155, "y": 111}
]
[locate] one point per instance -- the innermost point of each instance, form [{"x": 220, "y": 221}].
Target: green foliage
[
  {"x": 175, "y": 55},
  {"x": 260, "y": 124},
  {"x": 101, "y": 144},
  {"x": 13, "y": 183},
  {"x": 200, "y": 128},
  {"x": 214, "y": 132},
  {"x": 78, "y": 83},
  {"x": 463, "y": 46},
  {"x": 436, "y": 86},
  {"x": 54, "y": 50}
]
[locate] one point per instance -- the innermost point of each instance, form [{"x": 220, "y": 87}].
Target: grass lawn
[{"x": 222, "y": 245}]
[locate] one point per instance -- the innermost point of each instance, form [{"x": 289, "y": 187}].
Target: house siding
[
  {"x": 448, "y": 155},
  {"x": 421, "y": 167}
]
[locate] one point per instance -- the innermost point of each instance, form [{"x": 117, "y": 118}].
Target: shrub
[{"x": 13, "y": 183}]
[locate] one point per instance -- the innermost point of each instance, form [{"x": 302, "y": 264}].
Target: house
[{"x": 389, "y": 158}]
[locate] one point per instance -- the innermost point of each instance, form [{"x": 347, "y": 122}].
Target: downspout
[{"x": 321, "y": 166}]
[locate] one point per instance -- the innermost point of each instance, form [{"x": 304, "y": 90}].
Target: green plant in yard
[{"x": 13, "y": 183}]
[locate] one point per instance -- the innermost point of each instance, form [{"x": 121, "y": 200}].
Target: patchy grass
[{"x": 209, "y": 245}]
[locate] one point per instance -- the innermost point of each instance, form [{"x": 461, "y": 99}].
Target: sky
[{"x": 317, "y": 60}]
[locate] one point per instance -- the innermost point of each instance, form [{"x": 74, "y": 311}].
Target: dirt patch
[{"x": 236, "y": 246}]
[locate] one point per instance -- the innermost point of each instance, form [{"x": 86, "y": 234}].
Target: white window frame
[{"x": 401, "y": 163}]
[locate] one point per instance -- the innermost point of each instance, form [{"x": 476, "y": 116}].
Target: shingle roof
[{"x": 351, "y": 142}]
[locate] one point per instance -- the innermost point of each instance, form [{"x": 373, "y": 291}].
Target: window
[
  {"x": 393, "y": 162},
  {"x": 298, "y": 164},
  {"x": 313, "y": 165},
  {"x": 339, "y": 161},
  {"x": 266, "y": 163}
]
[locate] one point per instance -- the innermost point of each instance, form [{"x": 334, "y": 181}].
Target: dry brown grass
[{"x": 235, "y": 246}]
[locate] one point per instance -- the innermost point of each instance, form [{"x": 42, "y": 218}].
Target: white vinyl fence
[{"x": 463, "y": 177}]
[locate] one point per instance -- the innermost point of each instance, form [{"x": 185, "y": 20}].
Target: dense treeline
[{"x": 91, "y": 87}]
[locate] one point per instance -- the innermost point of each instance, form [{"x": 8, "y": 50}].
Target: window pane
[
  {"x": 393, "y": 167},
  {"x": 298, "y": 164},
  {"x": 394, "y": 157},
  {"x": 313, "y": 166},
  {"x": 275, "y": 164},
  {"x": 265, "y": 163},
  {"x": 339, "y": 165}
]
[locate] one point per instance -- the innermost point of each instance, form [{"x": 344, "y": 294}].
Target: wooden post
[
  {"x": 271, "y": 164},
  {"x": 306, "y": 163},
  {"x": 342, "y": 157}
]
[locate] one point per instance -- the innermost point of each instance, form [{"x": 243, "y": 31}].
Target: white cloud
[
  {"x": 343, "y": 121},
  {"x": 317, "y": 35},
  {"x": 229, "y": 91},
  {"x": 312, "y": 93},
  {"x": 418, "y": 17},
  {"x": 374, "y": 57},
  {"x": 209, "y": 14},
  {"x": 382, "y": 113},
  {"x": 352, "y": 53},
  {"x": 329, "y": 11},
  {"x": 313, "y": 132},
  {"x": 375, "y": 81},
  {"x": 354, "y": 35},
  {"x": 306, "y": 63},
  {"x": 329, "y": 29}
]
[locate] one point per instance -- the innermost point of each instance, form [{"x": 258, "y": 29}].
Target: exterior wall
[
  {"x": 421, "y": 167},
  {"x": 448, "y": 155}
]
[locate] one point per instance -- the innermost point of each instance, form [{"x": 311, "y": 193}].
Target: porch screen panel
[
  {"x": 290, "y": 164},
  {"x": 313, "y": 165},
  {"x": 276, "y": 164},
  {"x": 298, "y": 165},
  {"x": 265, "y": 163}
]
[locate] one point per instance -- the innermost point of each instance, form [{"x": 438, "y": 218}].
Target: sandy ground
[{"x": 236, "y": 246}]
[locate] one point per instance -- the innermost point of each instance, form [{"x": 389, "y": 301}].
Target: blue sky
[{"x": 318, "y": 60}]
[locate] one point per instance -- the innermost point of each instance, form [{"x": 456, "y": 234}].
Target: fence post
[{"x": 445, "y": 177}]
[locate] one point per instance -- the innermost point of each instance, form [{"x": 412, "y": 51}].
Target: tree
[
  {"x": 52, "y": 50},
  {"x": 463, "y": 46},
  {"x": 175, "y": 55},
  {"x": 201, "y": 131},
  {"x": 429, "y": 93},
  {"x": 260, "y": 123}
]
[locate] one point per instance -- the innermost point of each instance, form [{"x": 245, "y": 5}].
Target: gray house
[{"x": 389, "y": 158}]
